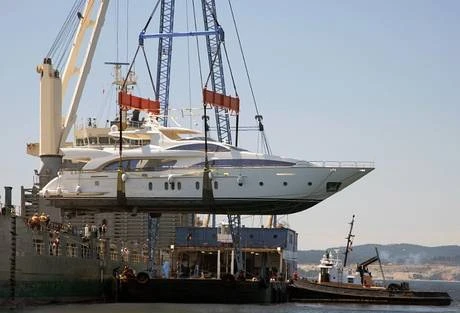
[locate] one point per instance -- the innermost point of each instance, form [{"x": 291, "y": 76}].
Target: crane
[
  {"x": 214, "y": 38},
  {"x": 54, "y": 86},
  {"x": 213, "y": 43}
]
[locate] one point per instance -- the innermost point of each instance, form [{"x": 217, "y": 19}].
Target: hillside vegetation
[
  {"x": 406, "y": 254},
  {"x": 399, "y": 261}
]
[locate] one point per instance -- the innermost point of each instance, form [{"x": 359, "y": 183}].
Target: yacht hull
[
  {"x": 250, "y": 191},
  {"x": 179, "y": 205}
]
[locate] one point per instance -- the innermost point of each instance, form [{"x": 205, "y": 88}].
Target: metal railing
[{"x": 332, "y": 164}]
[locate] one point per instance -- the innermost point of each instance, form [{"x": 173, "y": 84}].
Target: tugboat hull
[{"x": 307, "y": 291}]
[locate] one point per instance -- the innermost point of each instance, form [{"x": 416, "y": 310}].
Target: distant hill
[{"x": 393, "y": 253}]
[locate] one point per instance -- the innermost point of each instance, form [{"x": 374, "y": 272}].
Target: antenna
[{"x": 349, "y": 241}]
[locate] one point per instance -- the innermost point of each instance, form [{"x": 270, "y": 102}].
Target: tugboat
[{"x": 337, "y": 283}]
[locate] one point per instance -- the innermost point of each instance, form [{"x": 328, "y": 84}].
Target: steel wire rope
[
  {"x": 188, "y": 65},
  {"x": 197, "y": 45},
  {"x": 149, "y": 71},
  {"x": 258, "y": 116},
  {"x": 137, "y": 50},
  {"x": 230, "y": 69},
  {"x": 69, "y": 34},
  {"x": 103, "y": 110},
  {"x": 57, "y": 40},
  {"x": 66, "y": 40},
  {"x": 244, "y": 57}
]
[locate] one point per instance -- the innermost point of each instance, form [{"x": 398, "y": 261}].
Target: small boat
[{"x": 337, "y": 283}]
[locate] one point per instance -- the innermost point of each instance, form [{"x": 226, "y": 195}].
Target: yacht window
[
  {"x": 127, "y": 165},
  {"x": 150, "y": 186},
  {"x": 79, "y": 142},
  {"x": 285, "y": 183},
  {"x": 155, "y": 164},
  {"x": 200, "y": 147},
  {"x": 166, "y": 185},
  {"x": 72, "y": 165},
  {"x": 93, "y": 140},
  {"x": 173, "y": 185},
  {"x": 197, "y": 185},
  {"x": 261, "y": 183},
  {"x": 216, "y": 185},
  {"x": 333, "y": 186},
  {"x": 179, "y": 185},
  {"x": 142, "y": 165},
  {"x": 244, "y": 163}
]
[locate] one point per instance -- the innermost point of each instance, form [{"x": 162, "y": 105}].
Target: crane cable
[
  {"x": 244, "y": 57},
  {"x": 64, "y": 28},
  {"x": 197, "y": 44},
  {"x": 63, "y": 42},
  {"x": 258, "y": 116},
  {"x": 138, "y": 47}
]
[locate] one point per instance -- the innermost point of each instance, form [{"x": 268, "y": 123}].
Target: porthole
[
  {"x": 173, "y": 185},
  {"x": 309, "y": 183},
  {"x": 275, "y": 236},
  {"x": 216, "y": 184},
  {"x": 261, "y": 183},
  {"x": 179, "y": 185},
  {"x": 197, "y": 185},
  {"x": 285, "y": 183},
  {"x": 166, "y": 185},
  {"x": 150, "y": 186}
]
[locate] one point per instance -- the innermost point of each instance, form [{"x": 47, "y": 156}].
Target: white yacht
[{"x": 176, "y": 174}]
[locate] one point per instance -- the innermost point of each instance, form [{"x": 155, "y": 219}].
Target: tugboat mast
[{"x": 349, "y": 241}]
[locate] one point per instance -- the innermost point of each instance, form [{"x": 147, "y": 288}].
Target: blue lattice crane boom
[
  {"x": 162, "y": 94},
  {"x": 213, "y": 43},
  {"x": 214, "y": 40}
]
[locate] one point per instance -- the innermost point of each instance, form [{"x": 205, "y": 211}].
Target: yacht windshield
[
  {"x": 142, "y": 165},
  {"x": 244, "y": 163},
  {"x": 200, "y": 147}
]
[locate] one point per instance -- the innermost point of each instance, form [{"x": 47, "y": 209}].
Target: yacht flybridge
[{"x": 170, "y": 175}]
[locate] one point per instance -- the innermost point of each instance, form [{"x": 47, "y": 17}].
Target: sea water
[{"x": 453, "y": 288}]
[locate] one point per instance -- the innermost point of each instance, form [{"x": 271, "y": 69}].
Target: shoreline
[{"x": 428, "y": 272}]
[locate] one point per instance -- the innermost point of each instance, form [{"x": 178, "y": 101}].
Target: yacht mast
[{"x": 349, "y": 241}]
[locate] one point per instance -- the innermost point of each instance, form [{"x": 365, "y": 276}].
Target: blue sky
[{"x": 335, "y": 80}]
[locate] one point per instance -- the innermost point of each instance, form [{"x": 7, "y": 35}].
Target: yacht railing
[{"x": 354, "y": 164}]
